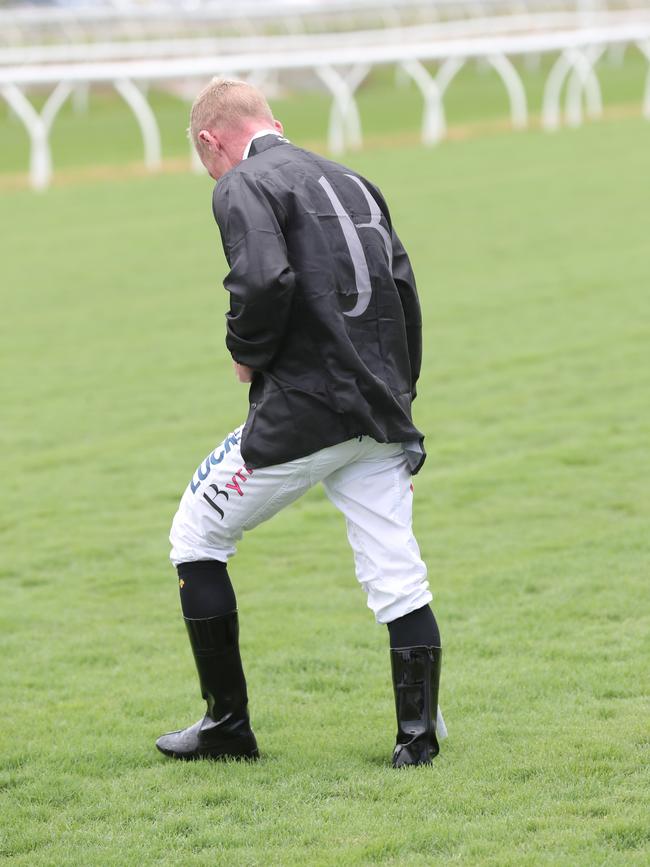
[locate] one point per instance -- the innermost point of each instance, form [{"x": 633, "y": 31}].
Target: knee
[
  {"x": 193, "y": 539},
  {"x": 392, "y": 598}
]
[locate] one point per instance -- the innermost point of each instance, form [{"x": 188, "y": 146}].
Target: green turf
[{"x": 532, "y": 513}]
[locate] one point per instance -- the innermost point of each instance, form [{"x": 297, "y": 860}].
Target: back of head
[{"x": 225, "y": 104}]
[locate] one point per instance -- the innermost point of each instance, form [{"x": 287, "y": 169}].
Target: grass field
[{"x": 532, "y": 513}]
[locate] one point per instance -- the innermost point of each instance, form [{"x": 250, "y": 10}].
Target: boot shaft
[
  {"x": 215, "y": 645},
  {"x": 416, "y": 680},
  {"x": 213, "y": 635}
]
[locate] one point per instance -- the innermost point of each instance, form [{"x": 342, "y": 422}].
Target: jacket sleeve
[
  {"x": 405, "y": 282},
  {"x": 260, "y": 281}
]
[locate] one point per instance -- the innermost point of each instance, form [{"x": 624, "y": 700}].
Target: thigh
[
  {"x": 375, "y": 495},
  {"x": 225, "y": 497}
]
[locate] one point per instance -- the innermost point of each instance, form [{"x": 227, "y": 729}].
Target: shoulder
[
  {"x": 229, "y": 189},
  {"x": 332, "y": 169},
  {"x": 224, "y": 188}
]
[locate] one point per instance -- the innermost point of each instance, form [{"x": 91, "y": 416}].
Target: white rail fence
[
  {"x": 342, "y": 69},
  {"x": 76, "y": 22},
  {"x": 497, "y": 25}
]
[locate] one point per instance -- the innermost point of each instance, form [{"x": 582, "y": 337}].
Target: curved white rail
[
  {"x": 345, "y": 121},
  {"x": 579, "y": 65},
  {"x": 515, "y": 88},
  {"x": 553, "y": 89},
  {"x": 38, "y": 127},
  {"x": 432, "y": 88},
  {"x": 137, "y": 102},
  {"x": 584, "y": 80},
  {"x": 433, "y": 121}
]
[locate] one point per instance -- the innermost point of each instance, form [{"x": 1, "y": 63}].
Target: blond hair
[{"x": 226, "y": 102}]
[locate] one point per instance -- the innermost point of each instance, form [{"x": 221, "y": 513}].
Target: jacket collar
[{"x": 263, "y": 140}]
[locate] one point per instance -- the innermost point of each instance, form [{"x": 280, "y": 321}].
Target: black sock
[
  {"x": 205, "y": 589},
  {"x": 417, "y": 629}
]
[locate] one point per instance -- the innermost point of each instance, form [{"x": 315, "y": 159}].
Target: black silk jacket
[{"x": 323, "y": 305}]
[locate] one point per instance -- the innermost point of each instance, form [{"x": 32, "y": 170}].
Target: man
[{"x": 324, "y": 323}]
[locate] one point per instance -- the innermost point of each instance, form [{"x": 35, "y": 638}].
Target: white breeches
[{"x": 369, "y": 482}]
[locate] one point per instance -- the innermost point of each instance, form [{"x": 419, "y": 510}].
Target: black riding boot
[
  {"x": 416, "y": 679},
  {"x": 225, "y": 731}
]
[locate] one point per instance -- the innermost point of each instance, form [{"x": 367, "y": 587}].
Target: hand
[{"x": 243, "y": 373}]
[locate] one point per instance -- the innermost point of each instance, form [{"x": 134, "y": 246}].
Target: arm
[
  {"x": 260, "y": 281},
  {"x": 405, "y": 282}
]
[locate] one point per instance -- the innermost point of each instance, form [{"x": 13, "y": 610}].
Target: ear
[
  {"x": 278, "y": 126},
  {"x": 209, "y": 140}
]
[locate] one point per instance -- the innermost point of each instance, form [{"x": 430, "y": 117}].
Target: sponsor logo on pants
[
  {"x": 213, "y": 460},
  {"x": 217, "y": 495}
]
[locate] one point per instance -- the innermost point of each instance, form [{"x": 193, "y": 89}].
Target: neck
[{"x": 240, "y": 139}]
